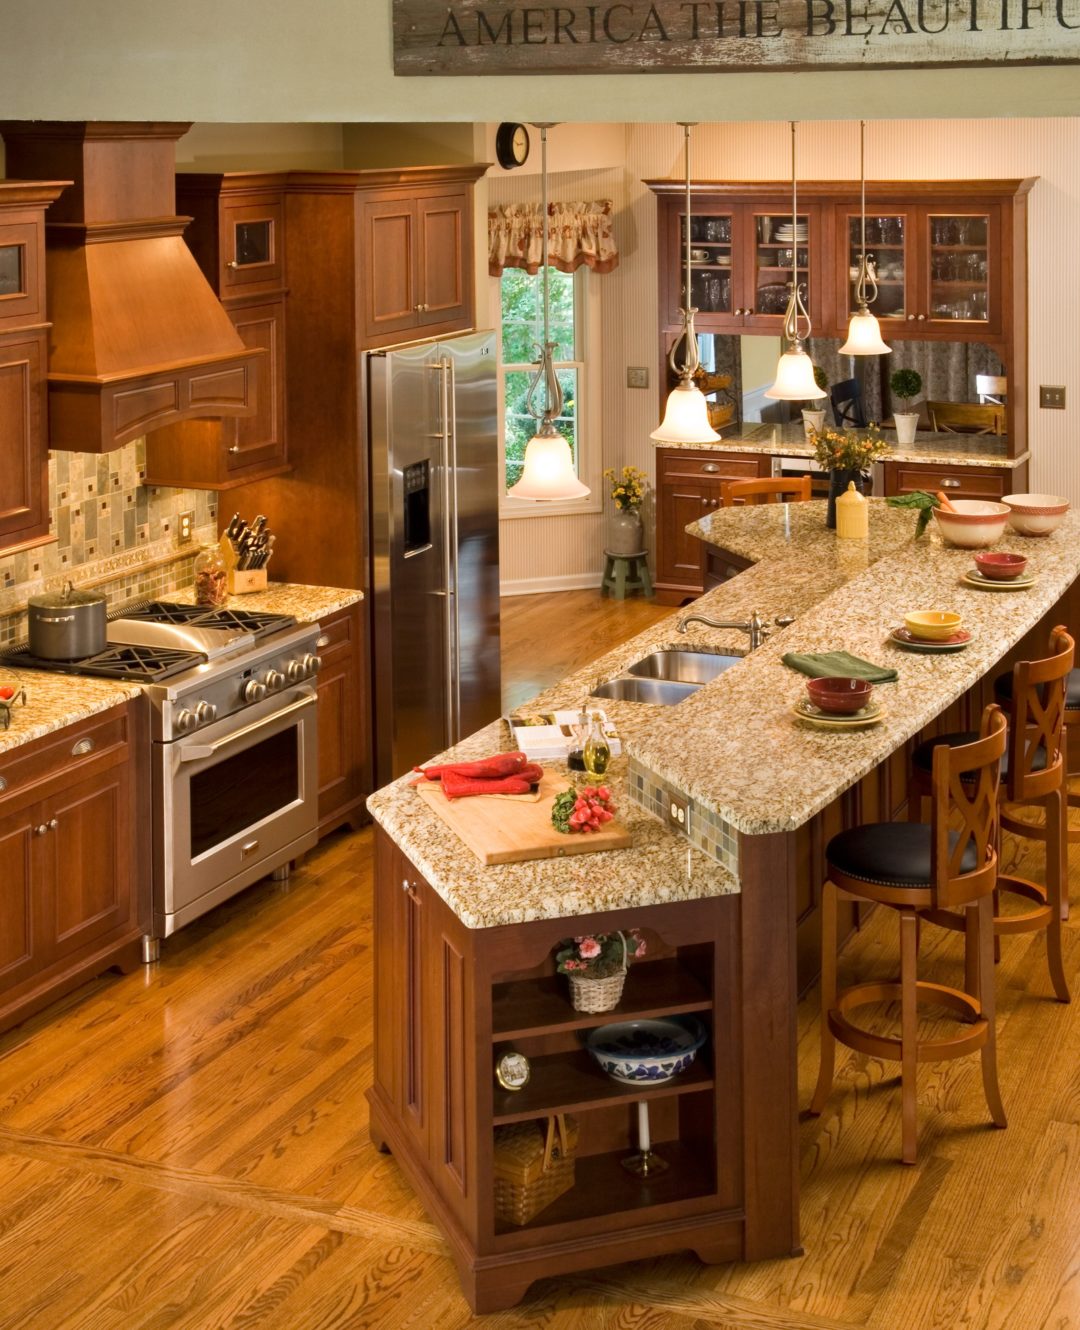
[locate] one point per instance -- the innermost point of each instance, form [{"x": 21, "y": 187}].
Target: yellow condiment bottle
[{"x": 852, "y": 516}]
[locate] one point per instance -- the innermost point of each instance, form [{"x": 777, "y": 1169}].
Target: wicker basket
[
  {"x": 534, "y": 1164},
  {"x": 591, "y": 994}
]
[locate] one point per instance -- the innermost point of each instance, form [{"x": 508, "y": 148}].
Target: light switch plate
[
  {"x": 1051, "y": 397},
  {"x": 637, "y": 376},
  {"x": 184, "y": 527}
]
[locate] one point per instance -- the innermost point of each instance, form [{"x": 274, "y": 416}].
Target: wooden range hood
[{"x": 138, "y": 338}]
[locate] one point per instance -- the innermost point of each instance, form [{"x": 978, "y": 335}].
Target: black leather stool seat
[
  {"x": 1003, "y": 687},
  {"x": 890, "y": 854},
  {"x": 923, "y": 756}
]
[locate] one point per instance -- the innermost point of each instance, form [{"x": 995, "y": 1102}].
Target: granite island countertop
[
  {"x": 734, "y": 746},
  {"x": 56, "y": 700},
  {"x": 929, "y": 447}
]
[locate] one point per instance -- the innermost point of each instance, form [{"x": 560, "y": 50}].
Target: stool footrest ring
[{"x": 889, "y": 1046}]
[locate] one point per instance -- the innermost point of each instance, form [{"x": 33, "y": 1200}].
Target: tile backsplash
[{"x": 112, "y": 531}]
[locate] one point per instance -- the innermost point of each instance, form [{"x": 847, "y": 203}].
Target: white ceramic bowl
[
  {"x": 1035, "y": 514},
  {"x": 975, "y": 523}
]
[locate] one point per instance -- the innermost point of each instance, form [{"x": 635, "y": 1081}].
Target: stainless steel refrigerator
[{"x": 433, "y": 432}]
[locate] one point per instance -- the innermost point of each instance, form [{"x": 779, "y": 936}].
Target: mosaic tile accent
[
  {"x": 706, "y": 830},
  {"x": 111, "y": 530}
]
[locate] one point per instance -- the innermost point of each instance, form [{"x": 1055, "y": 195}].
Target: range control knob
[
  {"x": 205, "y": 712},
  {"x": 185, "y": 720},
  {"x": 274, "y": 680},
  {"x": 295, "y": 671},
  {"x": 253, "y": 691},
  {"x": 310, "y": 664}
]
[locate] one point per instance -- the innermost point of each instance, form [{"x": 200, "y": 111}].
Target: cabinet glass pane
[
  {"x": 710, "y": 263},
  {"x": 886, "y": 254},
  {"x": 777, "y": 248},
  {"x": 11, "y": 270},
  {"x": 959, "y": 266},
  {"x": 254, "y": 243}
]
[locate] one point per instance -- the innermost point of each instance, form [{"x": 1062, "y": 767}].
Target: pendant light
[
  {"x": 548, "y": 473},
  {"x": 864, "y": 331},
  {"x": 686, "y": 417},
  {"x": 795, "y": 370}
]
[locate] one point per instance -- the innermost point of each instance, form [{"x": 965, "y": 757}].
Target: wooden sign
[{"x": 687, "y": 36}]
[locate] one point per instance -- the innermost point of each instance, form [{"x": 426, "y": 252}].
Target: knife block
[{"x": 240, "y": 581}]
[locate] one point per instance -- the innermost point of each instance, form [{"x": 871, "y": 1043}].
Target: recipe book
[{"x": 549, "y": 735}]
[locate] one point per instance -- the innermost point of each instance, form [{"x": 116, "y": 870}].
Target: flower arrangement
[
  {"x": 848, "y": 449},
  {"x": 599, "y": 955},
  {"x": 627, "y": 487}
]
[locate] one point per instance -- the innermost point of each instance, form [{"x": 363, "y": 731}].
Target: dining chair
[
  {"x": 847, "y": 404},
  {"x": 777, "y": 489},
  {"x": 991, "y": 388},
  {"x": 966, "y": 418}
]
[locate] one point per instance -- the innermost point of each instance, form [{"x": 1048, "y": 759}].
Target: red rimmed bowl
[
  {"x": 1000, "y": 566},
  {"x": 972, "y": 523},
  {"x": 1035, "y": 514},
  {"x": 839, "y": 696}
]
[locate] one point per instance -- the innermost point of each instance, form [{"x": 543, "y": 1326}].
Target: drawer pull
[
  {"x": 53, "y": 823},
  {"x": 82, "y": 747},
  {"x": 949, "y": 483},
  {"x": 3, "y": 784},
  {"x": 323, "y": 641},
  {"x": 710, "y": 467}
]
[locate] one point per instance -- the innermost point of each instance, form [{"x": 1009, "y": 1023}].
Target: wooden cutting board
[{"x": 503, "y": 831}]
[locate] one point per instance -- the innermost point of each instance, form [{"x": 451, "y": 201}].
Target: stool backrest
[
  {"x": 964, "y": 813},
  {"x": 966, "y": 418},
  {"x": 1037, "y": 719},
  {"x": 778, "y": 490}
]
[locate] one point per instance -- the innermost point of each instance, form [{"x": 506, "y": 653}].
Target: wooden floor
[{"x": 188, "y": 1147}]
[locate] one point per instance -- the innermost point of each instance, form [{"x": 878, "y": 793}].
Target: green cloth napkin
[{"x": 839, "y": 665}]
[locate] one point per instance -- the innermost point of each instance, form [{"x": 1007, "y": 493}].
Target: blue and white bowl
[{"x": 651, "y": 1052}]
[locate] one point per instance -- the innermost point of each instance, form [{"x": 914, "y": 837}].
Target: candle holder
[{"x": 645, "y": 1163}]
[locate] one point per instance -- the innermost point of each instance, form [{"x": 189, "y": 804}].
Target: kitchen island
[{"x": 463, "y": 951}]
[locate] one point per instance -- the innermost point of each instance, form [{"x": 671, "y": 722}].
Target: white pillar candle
[{"x": 644, "y": 1143}]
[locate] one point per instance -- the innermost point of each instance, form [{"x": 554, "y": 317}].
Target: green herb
[
  {"x": 561, "y": 810},
  {"x": 920, "y": 500}
]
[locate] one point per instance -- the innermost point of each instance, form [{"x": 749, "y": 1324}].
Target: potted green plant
[
  {"x": 905, "y": 384},
  {"x": 813, "y": 418}
]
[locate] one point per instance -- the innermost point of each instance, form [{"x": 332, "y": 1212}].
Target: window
[{"x": 521, "y": 320}]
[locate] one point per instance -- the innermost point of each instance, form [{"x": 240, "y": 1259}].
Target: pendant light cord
[
  {"x": 545, "y": 371},
  {"x": 688, "y": 340},
  {"x": 866, "y": 287}
]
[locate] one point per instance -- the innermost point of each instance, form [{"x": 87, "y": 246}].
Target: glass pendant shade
[
  {"x": 864, "y": 336},
  {"x": 795, "y": 379},
  {"x": 686, "y": 417},
  {"x": 549, "y": 469}
]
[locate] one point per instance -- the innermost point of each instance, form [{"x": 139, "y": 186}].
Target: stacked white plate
[{"x": 785, "y": 232}]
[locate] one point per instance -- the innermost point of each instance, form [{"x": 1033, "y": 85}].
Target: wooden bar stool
[
  {"x": 1033, "y": 773},
  {"x": 778, "y": 489},
  {"x": 1003, "y": 691},
  {"x": 948, "y": 863},
  {"x": 625, "y": 572}
]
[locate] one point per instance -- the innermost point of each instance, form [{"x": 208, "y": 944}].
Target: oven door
[{"x": 237, "y": 799}]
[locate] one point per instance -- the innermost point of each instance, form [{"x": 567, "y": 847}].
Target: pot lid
[{"x": 59, "y": 600}]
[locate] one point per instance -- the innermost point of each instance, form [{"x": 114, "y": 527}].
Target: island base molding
[{"x": 450, "y": 1000}]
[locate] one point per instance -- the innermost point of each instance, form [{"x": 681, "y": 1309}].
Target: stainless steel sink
[
  {"x": 659, "y": 692},
  {"x": 695, "y": 667}
]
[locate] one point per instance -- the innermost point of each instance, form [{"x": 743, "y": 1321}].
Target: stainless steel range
[{"x": 235, "y": 745}]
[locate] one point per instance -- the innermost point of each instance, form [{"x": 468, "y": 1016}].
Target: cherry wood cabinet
[
  {"x": 950, "y": 257},
  {"x": 24, "y": 446},
  {"x": 74, "y": 858},
  {"x": 344, "y": 724},
  {"x": 237, "y": 235},
  {"x": 960, "y": 482},
  {"x": 688, "y": 484},
  {"x": 450, "y": 1000}
]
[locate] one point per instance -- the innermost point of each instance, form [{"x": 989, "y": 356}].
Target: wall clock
[{"x": 511, "y": 146}]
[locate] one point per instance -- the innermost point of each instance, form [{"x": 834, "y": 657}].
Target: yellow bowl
[{"x": 933, "y": 625}]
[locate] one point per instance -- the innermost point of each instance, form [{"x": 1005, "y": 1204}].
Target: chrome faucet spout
[{"x": 754, "y": 627}]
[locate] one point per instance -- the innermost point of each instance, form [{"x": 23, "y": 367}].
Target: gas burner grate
[
  {"x": 161, "y": 611},
  {"x": 256, "y": 622},
  {"x": 140, "y": 664}
]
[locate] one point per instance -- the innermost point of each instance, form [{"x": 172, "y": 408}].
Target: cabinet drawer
[
  {"x": 711, "y": 465},
  {"x": 66, "y": 753},
  {"x": 962, "y": 482},
  {"x": 336, "y": 634}
]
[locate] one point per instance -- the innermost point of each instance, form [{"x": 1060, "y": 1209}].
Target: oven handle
[{"x": 198, "y": 752}]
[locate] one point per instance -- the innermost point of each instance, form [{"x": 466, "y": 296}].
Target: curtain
[{"x": 578, "y": 233}]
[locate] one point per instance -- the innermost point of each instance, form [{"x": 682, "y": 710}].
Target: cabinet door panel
[
  {"x": 260, "y": 439},
  {"x": 18, "y": 916},
  {"x": 23, "y": 453},
  {"x": 441, "y": 255},
  {"x": 681, "y": 558},
  {"x": 389, "y": 261},
  {"x": 251, "y": 246},
  {"x": 92, "y": 850}
]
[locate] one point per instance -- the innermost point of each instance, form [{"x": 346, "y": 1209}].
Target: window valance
[{"x": 578, "y": 233}]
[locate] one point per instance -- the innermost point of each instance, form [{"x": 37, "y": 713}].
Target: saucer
[
  {"x": 974, "y": 578},
  {"x": 871, "y": 714},
  {"x": 957, "y": 642}
]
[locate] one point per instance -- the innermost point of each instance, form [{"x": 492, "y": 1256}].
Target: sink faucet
[{"x": 755, "y": 626}]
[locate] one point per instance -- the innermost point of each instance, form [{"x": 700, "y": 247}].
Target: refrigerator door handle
[
  {"x": 449, "y": 553},
  {"x": 455, "y": 588}
]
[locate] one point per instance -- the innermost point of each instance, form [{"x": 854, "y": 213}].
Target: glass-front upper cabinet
[
  {"x": 711, "y": 273},
  {"x": 888, "y": 237},
  {"x": 251, "y": 244},
  {"x": 959, "y": 274},
  {"x": 778, "y": 247}
]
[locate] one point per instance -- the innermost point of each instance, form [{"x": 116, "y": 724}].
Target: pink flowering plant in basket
[{"x": 599, "y": 955}]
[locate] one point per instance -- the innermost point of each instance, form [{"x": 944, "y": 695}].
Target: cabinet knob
[
  {"x": 232, "y": 263},
  {"x": 41, "y": 829},
  {"x": 716, "y": 503},
  {"x": 53, "y": 823},
  {"x": 920, "y": 317},
  {"x": 704, "y": 503},
  {"x": 234, "y": 448},
  {"x": 420, "y": 308},
  {"x": 911, "y": 318}
]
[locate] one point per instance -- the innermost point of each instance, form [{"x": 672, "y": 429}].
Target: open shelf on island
[
  {"x": 573, "y": 1083},
  {"x": 541, "y": 1006}
]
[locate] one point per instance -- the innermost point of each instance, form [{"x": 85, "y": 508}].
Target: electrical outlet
[
  {"x": 1051, "y": 397},
  {"x": 185, "y": 525},
  {"x": 679, "y": 812},
  {"x": 637, "y": 376}
]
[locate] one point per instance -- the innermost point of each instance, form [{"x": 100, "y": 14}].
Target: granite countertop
[
  {"x": 734, "y": 745},
  {"x": 929, "y": 447},
  {"x": 56, "y": 700}
]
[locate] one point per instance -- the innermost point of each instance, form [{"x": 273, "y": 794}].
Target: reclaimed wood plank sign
[{"x": 630, "y": 36}]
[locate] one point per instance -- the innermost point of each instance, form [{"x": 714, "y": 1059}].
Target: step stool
[{"x": 625, "y": 572}]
